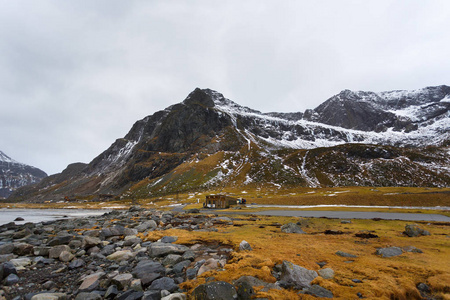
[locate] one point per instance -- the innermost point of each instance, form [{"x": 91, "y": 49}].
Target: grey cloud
[{"x": 75, "y": 75}]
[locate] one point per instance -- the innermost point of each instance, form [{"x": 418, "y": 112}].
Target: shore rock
[{"x": 219, "y": 290}]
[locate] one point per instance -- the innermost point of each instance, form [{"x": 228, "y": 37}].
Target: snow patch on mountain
[{"x": 6, "y": 159}]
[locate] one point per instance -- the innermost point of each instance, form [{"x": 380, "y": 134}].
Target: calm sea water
[{"x": 39, "y": 215}]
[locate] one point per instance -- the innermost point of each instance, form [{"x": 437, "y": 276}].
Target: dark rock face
[
  {"x": 14, "y": 175},
  {"x": 370, "y": 111}
]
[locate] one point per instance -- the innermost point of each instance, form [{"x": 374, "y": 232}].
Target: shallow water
[{"x": 38, "y": 215}]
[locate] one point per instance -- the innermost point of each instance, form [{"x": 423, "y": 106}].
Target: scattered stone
[
  {"x": 162, "y": 249},
  {"x": 412, "y": 230},
  {"x": 357, "y": 281},
  {"x": 19, "y": 219},
  {"x": 412, "y": 249},
  {"x": 333, "y": 232},
  {"x": 66, "y": 256},
  {"x": 321, "y": 263},
  {"x": 326, "y": 273},
  {"x": 111, "y": 292},
  {"x": 389, "y": 252},
  {"x": 7, "y": 269},
  {"x": 423, "y": 287},
  {"x": 91, "y": 282},
  {"x": 219, "y": 290},
  {"x": 77, "y": 263},
  {"x": 23, "y": 249},
  {"x": 60, "y": 240},
  {"x": 122, "y": 281},
  {"x": 317, "y": 291},
  {"x": 345, "y": 254},
  {"x": 245, "y": 246},
  {"x": 56, "y": 251},
  {"x": 246, "y": 281},
  {"x": 346, "y": 222},
  {"x": 165, "y": 283},
  {"x": 50, "y": 296},
  {"x": 6, "y": 248},
  {"x": 169, "y": 239},
  {"x": 11, "y": 279},
  {"x": 292, "y": 228},
  {"x": 130, "y": 295},
  {"x": 88, "y": 296},
  {"x": 176, "y": 296},
  {"x": 21, "y": 263},
  {"x": 209, "y": 265}
]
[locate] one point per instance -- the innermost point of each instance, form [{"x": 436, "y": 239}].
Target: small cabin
[{"x": 219, "y": 201}]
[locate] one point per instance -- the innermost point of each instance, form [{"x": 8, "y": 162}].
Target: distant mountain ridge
[
  {"x": 14, "y": 175},
  {"x": 365, "y": 138}
]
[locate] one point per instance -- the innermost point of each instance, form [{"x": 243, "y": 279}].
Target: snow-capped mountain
[
  {"x": 353, "y": 138},
  {"x": 14, "y": 174}
]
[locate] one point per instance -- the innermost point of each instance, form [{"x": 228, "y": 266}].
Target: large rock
[
  {"x": 162, "y": 249},
  {"x": 219, "y": 290},
  {"x": 23, "y": 249},
  {"x": 121, "y": 255},
  {"x": 412, "y": 230},
  {"x": 389, "y": 252},
  {"x": 244, "y": 245},
  {"x": 148, "y": 267},
  {"x": 164, "y": 283},
  {"x": 116, "y": 230},
  {"x": 56, "y": 251},
  {"x": 21, "y": 263},
  {"x": 11, "y": 279},
  {"x": 209, "y": 265},
  {"x": 295, "y": 276},
  {"x": 292, "y": 228},
  {"x": 50, "y": 296}
]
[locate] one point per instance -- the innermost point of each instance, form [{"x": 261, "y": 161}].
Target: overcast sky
[{"x": 76, "y": 75}]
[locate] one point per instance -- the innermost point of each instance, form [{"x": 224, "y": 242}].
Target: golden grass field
[{"x": 383, "y": 278}]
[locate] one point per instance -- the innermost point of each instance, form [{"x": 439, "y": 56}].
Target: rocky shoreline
[{"x": 103, "y": 257}]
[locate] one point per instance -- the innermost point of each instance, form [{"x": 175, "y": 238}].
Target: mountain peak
[{"x": 202, "y": 97}]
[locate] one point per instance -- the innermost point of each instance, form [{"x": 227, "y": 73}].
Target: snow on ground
[{"x": 351, "y": 206}]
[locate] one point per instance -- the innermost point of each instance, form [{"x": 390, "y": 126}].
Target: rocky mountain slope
[
  {"x": 208, "y": 141},
  {"x": 14, "y": 175}
]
